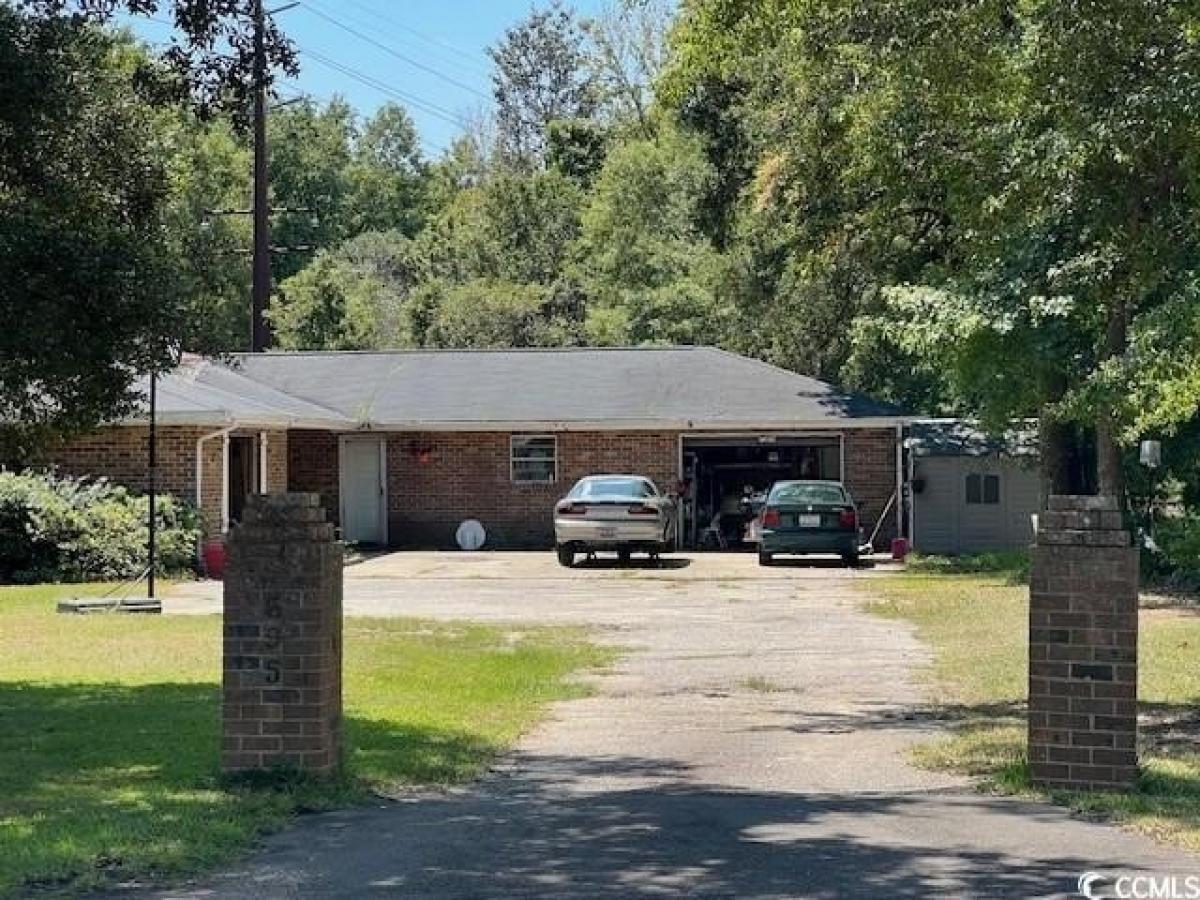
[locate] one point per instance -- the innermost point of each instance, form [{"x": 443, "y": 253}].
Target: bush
[
  {"x": 76, "y": 529},
  {"x": 1176, "y": 558}
]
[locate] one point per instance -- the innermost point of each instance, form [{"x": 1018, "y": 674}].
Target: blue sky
[{"x": 427, "y": 54}]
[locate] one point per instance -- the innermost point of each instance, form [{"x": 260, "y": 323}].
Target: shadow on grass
[
  {"x": 989, "y": 740},
  {"x": 101, "y": 782}
]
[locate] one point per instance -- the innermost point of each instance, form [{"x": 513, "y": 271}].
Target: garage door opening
[{"x": 720, "y": 471}]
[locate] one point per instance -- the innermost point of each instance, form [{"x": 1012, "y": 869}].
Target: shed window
[
  {"x": 983, "y": 489},
  {"x": 534, "y": 458}
]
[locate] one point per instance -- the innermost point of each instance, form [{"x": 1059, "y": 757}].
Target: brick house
[{"x": 404, "y": 445}]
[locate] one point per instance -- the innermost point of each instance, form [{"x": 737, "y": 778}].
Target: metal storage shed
[{"x": 972, "y": 493}]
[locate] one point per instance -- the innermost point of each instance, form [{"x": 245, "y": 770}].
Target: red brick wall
[
  {"x": 312, "y": 465},
  {"x": 467, "y": 476},
  {"x": 871, "y": 478},
  {"x": 277, "y": 463}
]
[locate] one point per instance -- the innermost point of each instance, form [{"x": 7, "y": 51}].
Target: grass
[
  {"x": 761, "y": 685},
  {"x": 109, "y": 744},
  {"x": 977, "y": 626}
]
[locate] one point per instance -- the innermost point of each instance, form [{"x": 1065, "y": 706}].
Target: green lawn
[
  {"x": 109, "y": 732},
  {"x": 977, "y": 626}
]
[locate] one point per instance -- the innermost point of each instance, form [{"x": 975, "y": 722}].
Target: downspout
[
  {"x": 263, "y": 487},
  {"x": 912, "y": 496},
  {"x": 221, "y": 433},
  {"x": 900, "y": 481}
]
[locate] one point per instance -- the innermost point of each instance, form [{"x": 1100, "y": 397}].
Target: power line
[
  {"x": 471, "y": 59},
  {"x": 386, "y": 49},
  {"x": 382, "y": 86}
]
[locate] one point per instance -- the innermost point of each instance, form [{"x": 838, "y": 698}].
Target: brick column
[
  {"x": 1083, "y": 628},
  {"x": 282, "y": 698}
]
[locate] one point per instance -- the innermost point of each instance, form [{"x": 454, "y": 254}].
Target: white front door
[{"x": 364, "y": 503}]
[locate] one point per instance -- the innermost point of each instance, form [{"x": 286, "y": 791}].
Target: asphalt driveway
[{"x": 749, "y": 743}]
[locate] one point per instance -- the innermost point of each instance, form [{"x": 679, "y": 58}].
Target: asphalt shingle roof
[
  {"x": 667, "y": 387},
  {"x": 202, "y": 392}
]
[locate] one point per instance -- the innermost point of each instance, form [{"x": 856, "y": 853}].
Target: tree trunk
[{"x": 1110, "y": 481}]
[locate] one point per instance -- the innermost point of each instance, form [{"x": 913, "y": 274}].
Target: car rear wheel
[
  {"x": 566, "y": 555},
  {"x": 765, "y": 559}
]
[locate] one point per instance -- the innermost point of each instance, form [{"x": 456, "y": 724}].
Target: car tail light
[
  {"x": 573, "y": 509},
  {"x": 848, "y": 519},
  {"x": 770, "y": 517},
  {"x": 641, "y": 509}
]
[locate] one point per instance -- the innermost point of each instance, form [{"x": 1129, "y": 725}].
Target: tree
[
  {"x": 388, "y": 179},
  {"x": 644, "y": 263},
  {"x": 210, "y": 169},
  {"x": 311, "y": 147},
  {"x": 540, "y": 77},
  {"x": 1009, "y": 190},
  {"x": 576, "y": 148},
  {"x": 354, "y": 297},
  {"x": 626, "y": 51},
  {"x": 484, "y": 313},
  {"x": 513, "y": 227},
  {"x": 210, "y": 55},
  {"x": 88, "y": 243},
  {"x": 88, "y": 289}
]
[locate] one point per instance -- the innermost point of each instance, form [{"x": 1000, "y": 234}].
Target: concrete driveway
[{"x": 749, "y": 743}]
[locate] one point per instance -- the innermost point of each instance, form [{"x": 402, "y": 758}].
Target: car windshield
[
  {"x": 599, "y": 488},
  {"x": 808, "y": 492}
]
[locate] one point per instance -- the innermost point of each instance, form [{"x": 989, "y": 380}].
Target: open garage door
[{"x": 719, "y": 469}]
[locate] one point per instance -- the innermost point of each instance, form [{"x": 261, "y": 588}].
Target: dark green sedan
[{"x": 808, "y": 517}]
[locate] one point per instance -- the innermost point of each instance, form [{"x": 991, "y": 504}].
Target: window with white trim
[{"x": 533, "y": 458}]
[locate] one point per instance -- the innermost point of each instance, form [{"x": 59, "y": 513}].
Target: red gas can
[{"x": 899, "y": 548}]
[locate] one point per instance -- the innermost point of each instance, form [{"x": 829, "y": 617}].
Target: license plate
[
  {"x": 809, "y": 520},
  {"x": 607, "y": 531}
]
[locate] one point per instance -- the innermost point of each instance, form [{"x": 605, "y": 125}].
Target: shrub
[
  {"x": 1177, "y": 555},
  {"x": 56, "y": 528}
]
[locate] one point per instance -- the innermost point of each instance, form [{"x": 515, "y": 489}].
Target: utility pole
[{"x": 260, "y": 335}]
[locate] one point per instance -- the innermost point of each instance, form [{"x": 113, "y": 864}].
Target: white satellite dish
[{"x": 470, "y": 535}]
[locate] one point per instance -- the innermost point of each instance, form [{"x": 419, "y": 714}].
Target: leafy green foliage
[
  {"x": 352, "y": 297},
  {"x": 539, "y": 78},
  {"x": 69, "y": 529},
  {"x": 483, "y": 313},
  {"x": 644, "y": 263},
  {"x": 1178, "y": 555},
  {"x": 209, "y": 55},
  {"x": 83, "y": 193}
]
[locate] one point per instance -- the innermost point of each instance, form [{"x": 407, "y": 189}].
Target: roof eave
[{"x": 558, "y": 425}]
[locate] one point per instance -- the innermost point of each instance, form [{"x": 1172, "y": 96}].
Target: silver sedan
[{"x": 625, "y": 513}]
